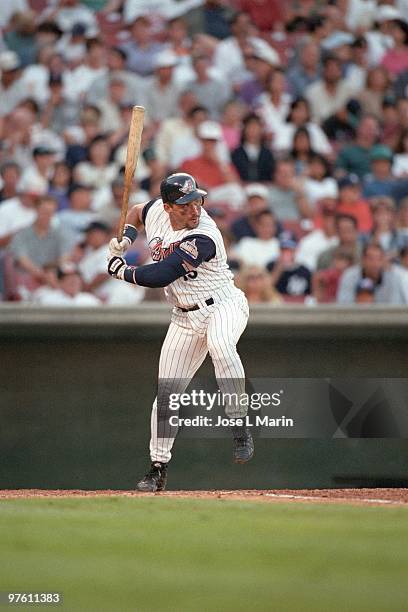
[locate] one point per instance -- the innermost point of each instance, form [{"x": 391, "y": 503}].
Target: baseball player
[{"x": 209, "y": 315}]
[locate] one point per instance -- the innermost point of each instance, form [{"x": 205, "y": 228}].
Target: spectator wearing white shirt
[
  {"x": 12, "y": 89},
  {"x": 319, "y": 184},
  {"x": 66, "y": 13},
  {"x": 299, "y": 116},
  {"x": 319, "y": 240},
  {"x": 40, "y": 171},
  {"x": 228, "y": 57},
  {"x": 93, "y": 270},
  {"x": 16, "y": 214},
  {"x": 264, "y": 247},
  {"x": 68, "y": 292},
  {"x": 329, "y": 94},
  {"x": 273, "y": 105},
  {"x": 97, "y": 171},
  {"x": 77, "y": 82}
]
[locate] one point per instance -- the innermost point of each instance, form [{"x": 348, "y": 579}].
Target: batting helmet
[{"x": 180, "y": 188}]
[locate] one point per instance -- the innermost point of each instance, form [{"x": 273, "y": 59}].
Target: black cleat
[
  {"x": 155, "y": 479},
  {"x": 243, "y": 445}
]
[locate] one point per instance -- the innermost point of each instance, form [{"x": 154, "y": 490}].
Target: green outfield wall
[{"x": 76, "y": 389}]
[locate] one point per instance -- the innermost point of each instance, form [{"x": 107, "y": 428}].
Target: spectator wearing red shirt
[
  {"x": 266, "y": 14},
  {"x": 396, "y": 59},
  {"x": 207, "y": 167},
  {"x": 352, "y": 203}
]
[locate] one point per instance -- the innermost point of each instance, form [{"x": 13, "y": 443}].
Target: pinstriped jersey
[{"x": 211, "y": 278}]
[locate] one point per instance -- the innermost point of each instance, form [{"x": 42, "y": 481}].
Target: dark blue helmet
[{"x": 180, "y": 188}]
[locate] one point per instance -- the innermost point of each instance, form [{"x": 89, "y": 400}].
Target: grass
[{"x": 154, "y": 554}]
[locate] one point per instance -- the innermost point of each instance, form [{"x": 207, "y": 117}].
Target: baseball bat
[{"x": 132, "y": 154}]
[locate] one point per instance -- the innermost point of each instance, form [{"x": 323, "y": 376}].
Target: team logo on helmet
[{"x": 188, "y": 186}]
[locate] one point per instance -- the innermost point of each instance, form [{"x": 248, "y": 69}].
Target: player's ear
[{"x": 167, "y": 207}]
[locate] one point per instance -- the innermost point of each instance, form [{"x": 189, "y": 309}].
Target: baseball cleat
[
  {"x": 243, "y": 445},
  {"x": 155, "y": 479}
]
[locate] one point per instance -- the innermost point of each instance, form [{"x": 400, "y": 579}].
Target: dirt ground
[{"x": 370, "y": 497}]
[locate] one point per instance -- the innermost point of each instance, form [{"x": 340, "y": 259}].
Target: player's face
[{"x": 184, "y": 216}]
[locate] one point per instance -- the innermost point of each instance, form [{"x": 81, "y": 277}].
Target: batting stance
[{"x": 209, "y": 315}]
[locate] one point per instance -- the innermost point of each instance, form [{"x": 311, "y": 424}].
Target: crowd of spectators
[{"x": 293, "y": 115}]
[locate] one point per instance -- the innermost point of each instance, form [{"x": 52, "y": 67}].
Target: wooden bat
[{"x": 132, "y": 154}]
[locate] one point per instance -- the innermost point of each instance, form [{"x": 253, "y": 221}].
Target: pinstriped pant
[{"x": 215, "y": 330}]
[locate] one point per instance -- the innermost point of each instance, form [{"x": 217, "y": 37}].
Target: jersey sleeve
[
  {"x": 195, "y": 249},
  {"x": 146, "y": 209}
]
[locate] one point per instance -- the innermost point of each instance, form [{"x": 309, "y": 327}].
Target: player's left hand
[
  {"x": 116, "y": 267},
  {"x": 117, "y": 248}
]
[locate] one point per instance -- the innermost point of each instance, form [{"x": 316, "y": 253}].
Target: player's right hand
[
  {"x": 118, "y": 249},
  {"x": 117, "y": 267}
]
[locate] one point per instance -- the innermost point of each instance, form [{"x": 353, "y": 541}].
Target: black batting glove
[{"x": 117, "y": 267}]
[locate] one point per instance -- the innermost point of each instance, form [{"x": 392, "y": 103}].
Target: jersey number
[{"x": 190, "y": 275}]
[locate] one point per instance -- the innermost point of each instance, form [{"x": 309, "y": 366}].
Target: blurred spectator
[
  {"x": 330, "y": 93},
  {"x": 306, "y": 71},
  {"x": 299, "y": 117},
  {"x": 10, "y": 8},
  {"x": 346, "y": 229},
  {"x": 213, "y": 18},
  {"x": 211, "y": 91},
  {"x": 319, "y": 240},
  {"x": 60, "y": 184},
  {"x": 72, "y": 45},
  {"x": 371, "y": 97},
  {"x": 384, "y": 230},
  {"x": 110, "y": 104},
  {"x": 273, "y": 105},
  {"x": 77, "y": 82},
  {"x": 10, "y": 173},
  {"x": 290, "y": 278},
  {"x": 381, "y": 181},
  {"x": 69, "y": 12},
  {"x": 231, "y": 123},
  {"x": 175, "y": 127},
  {"x": 116, "y": 65},
  {"x": 15, "y": 214},
  {"x": 188, "y": 144},
  {"x": 257, "y": 201},
  {"x": 325, "y": 282},
  {"x": 352, "y": 203},
  {"x": 267, "y": 15},
  {"x": 403, "y": 258},
  {"x": 385, "y": 284},
  {"x": 161, "y": 91},
  {"x": 98, "y": 171},
  {"x": 253, "y": 159},
  {"x": 40, "y": 171},
  {"x": 318, "y": 183},
  {"x": 20, "y": 38},
  {"x": 400, "y": 163},
  {"x": 92, "y": 266},
  {"x": 264, "y": 247},
  {"x": 141, "y": 50},
  {"x": 260, "y": 59},
  {"x": 287, "y": 195},
  {"x": 12, "y": 89},
  {"x": 402, "y": 222},
  {"x": 209, "y": 170},
  {"x": 59, "y": 112},
  {"x": 301, "y": 152},
  {"x": 255, "y": 282},
  {"x": 355, "y": 158},
  {"x": 40, "y": 244},
  {"x": 228, "y": 58},
  {"x": 79, "y": 214},
  {"x": 68, "y": 290},
  {"x": 79, "y": 137},
  {"x": 395, "y": 60}
]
